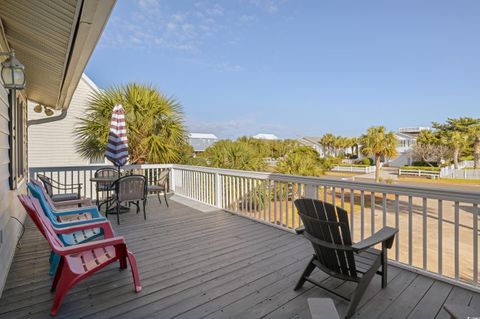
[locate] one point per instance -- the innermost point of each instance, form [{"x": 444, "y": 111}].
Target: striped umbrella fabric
[{"x": 117, "y": 146}]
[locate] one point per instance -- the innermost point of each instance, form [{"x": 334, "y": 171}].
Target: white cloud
[
  {"x": 219, "y": 66},
  {"x": 151, "y": 23},
  {"x": 270, "y": 6}
]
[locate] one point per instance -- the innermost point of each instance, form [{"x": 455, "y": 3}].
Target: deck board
[{"x": 204, "y": 263}]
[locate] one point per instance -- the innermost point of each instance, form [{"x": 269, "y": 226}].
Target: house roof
[
  {"x": 265, "y": 136},
  {"x": 403, "y": 136},
  {"x": 202, "y": 135},
  {"x": 54, "y": 40}
]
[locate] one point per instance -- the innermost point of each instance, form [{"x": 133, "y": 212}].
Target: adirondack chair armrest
[
  {"x": 326, "y": 244},
  {"x": 69, "y": 250},
  {"x": 385, "y": 235},
  {"x": 82, "y": 201},
  {"x": 92, "y": 210},
  {"x": 299, "y": 230},
  {"x": 104, "y": 225},
  {"x": 79, "y": 222}
]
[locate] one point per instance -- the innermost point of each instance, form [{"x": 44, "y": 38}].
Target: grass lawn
[
  {"x": 441, "y": 181},
  {"x": 341, "y": 174}
]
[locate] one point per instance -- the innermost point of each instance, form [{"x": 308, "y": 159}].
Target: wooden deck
[{"x": 210, "y": 264}]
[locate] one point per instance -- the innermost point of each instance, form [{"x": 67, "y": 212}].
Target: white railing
[
  {"x": 83, "y": 174},
  {"x": 354, "y": 169},
  {"x": 438, "y": 228},
  {"x": 419, "y": 172}
]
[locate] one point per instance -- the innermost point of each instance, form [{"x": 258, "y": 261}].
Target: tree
[
  {"x": 474, "y": 132},
  {"x": 155, "y": 127},
  {"x": 458, "y": 133},
  {"x": 234, "y": 155},
  {"x": 457, "y": 141},
  {"x": 327, "y": 142},
  {"x": 379, "y": 143},
  {"x": 429, "y": 148},
  {"x": 303, "y": 161}
]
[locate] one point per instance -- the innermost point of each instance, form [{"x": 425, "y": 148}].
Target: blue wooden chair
[{"x": 68, "y": 218}]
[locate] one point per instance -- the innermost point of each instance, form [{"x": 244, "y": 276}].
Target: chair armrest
[
  {"x": 92, "y": 210},
  {"x": 385, "y": 235},
  {"x": 75, "y": 185},
  {"x": 74, "y": 202},
  {"x": 104, "y": 225},
  {"x": 67, "y": 187},
  {"x": 79, "y": 222},
  {"x": 299, "y": 230},
  {"x": 70, "y": 250}
]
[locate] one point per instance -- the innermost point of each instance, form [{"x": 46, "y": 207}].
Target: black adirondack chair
[{"x": 326, "y": 227}]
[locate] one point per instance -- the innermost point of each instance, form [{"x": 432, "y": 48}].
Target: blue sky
[{"x": 298, "y": 68}]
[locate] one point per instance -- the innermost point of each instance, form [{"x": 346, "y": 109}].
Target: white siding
[
  {"x": 53, "y": 144},
  {"x": 9, "y": 204}
]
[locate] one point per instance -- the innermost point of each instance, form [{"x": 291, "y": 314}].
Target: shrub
[
  {"x": 365, "y": 161},
  {"x": 354, "y": 165},
  {"x": 424, "y": 164},
  {"x": 423, "y": 168},
  {"x": 466, "y": 158}
]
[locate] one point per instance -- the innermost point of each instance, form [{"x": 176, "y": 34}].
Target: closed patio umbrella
[{"x": 117, "y": 146}]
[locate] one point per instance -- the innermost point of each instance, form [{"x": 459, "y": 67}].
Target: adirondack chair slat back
[
  {"x": 39, "y": 193},
  {"x": 329, "y": 225},
  {"x": 39, "y": 185},
  {"x": 47, "y": 184},
  {"x": 35, "y": 211}
]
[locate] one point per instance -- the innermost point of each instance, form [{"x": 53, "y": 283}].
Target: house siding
[
  {"x": 9, "y": 205},
  {"x": 53, "y": 144}
]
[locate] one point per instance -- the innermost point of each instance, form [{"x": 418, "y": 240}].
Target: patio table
[{"x": 108, "y": 180}]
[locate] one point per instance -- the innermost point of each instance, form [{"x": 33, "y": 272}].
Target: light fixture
[
  {"x": 38, "y": 108},
  {"x": 13, "y": 72},
  {"x": 48, "y": 111}
]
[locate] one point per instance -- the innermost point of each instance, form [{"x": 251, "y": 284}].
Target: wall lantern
[{"x": 12, "y": 72}]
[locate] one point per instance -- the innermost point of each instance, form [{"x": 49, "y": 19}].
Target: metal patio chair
[
  {"x": 131, "y": 189},
  {"x": 160, "y": 185},
  {"x": 51, "y": 184},
  {"x": 106, "y": 187}
]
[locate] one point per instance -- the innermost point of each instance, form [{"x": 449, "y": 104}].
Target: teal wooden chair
[{"x": 68, "y": 218}]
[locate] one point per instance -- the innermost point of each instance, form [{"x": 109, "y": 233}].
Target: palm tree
[
  {"x": 379, "y": 143},
  {"x": 457, "y": 141},
  {"x": 303, "y": 161},
  {"x": 155, "y": 127},
  {"x": 327, "y": 141},
  {"x": 234, "y": 155}
]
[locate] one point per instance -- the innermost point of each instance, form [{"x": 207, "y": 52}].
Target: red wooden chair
[{"x": 83, "y": 260}]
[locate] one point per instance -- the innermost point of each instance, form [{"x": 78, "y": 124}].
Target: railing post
[
  {"x": 311, "y": 191},
  {"x": 171, "y": 178},
  {"x": 218, "y": 190}
]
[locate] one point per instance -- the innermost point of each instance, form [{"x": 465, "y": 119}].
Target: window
[{"x": 18, "y": 139}]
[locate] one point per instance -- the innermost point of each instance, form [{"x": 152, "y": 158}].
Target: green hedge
[
  {"x": 423, "y": 168},
  {"x": 353, "y": 165}
]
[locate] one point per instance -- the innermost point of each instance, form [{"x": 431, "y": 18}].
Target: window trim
[{"x": 17, "y": 126}]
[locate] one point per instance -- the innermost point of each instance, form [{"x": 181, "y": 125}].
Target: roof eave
[{"x": 90, "y": 25}]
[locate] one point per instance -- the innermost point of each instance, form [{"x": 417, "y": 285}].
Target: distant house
[
  {"x": 313, "y": 142},
  {"x": 263, "y": 136},
  {"x": 53, "y": 144},
  {"x": 201, "y": 141},
  {"x": 406, "y": 139}
]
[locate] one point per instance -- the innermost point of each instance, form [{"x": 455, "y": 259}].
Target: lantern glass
[{"x": 13, "y": 74}]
